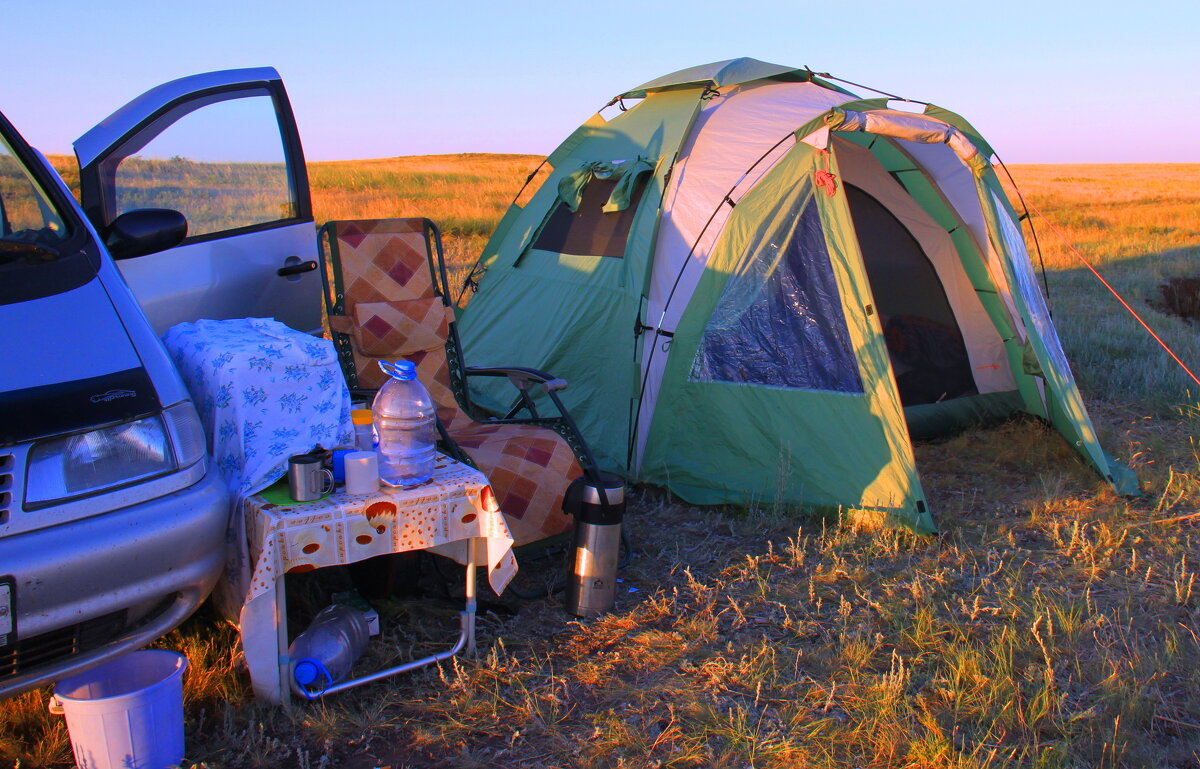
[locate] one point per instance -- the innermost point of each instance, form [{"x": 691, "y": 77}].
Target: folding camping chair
[{"x": 387, "y": 297}]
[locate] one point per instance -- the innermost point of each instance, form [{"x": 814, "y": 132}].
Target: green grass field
[{"x": 1052, "y": 624}]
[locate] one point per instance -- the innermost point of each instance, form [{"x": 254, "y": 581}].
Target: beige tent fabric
[
  {"x": 985, "y": 348},
  {"x": 958, "y": 185},
  {"x": 911, "y": 127}
]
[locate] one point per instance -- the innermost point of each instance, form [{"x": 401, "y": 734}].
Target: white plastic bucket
[{"x": 127, "y": 713}]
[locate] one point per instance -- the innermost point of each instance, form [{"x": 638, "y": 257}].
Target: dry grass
[
  {"x": 1113, "y": 213},
  {"x": 1051, "y": 625},
  {"x": 1139, "y": 225},
  {"x": 465, "y": 194}
]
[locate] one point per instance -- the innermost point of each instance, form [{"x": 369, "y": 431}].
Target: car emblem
[{"x": 112, "y": 395}]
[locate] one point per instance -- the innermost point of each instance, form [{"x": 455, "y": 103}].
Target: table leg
[
  {"x": 281, "y": 643},
  {"x": 261, "y": 630},
  {"x": 469, "y": 618}
]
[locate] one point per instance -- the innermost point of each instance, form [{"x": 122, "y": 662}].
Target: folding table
[{"x": 454, "y": 515}]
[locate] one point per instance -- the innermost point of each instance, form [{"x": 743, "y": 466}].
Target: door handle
[{"x": 296, "y": 269}]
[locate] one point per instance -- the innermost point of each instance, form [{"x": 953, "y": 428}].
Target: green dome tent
[{"x": 759, "y": 285}]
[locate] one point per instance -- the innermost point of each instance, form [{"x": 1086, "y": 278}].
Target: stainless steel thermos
[{"x": 598, "y": 505}]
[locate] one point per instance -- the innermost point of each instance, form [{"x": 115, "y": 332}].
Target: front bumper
[{"x": 139, "y": 571}]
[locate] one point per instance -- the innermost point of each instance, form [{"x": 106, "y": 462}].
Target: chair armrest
[
  {"x": 521, "y": 377},
  {"x": 524, "y": 379}
]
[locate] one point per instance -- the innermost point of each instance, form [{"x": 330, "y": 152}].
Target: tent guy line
[{"x": 1113, "y": 291}]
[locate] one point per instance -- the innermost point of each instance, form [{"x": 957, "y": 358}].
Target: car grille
[
  {"x": 48, "y": 648},
  {"x": 31, "y": 653},
  {"x": 7, "y": 464}
]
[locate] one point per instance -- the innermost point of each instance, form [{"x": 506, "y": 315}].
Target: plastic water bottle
[
  {"x": 404, "y": 414},
  {"x": 324, "y": 653}
]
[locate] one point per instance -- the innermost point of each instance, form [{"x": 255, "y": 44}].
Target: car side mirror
[{"x": 144, "y": 231}]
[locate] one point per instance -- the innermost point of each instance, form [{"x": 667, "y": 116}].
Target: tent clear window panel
[
  {"x": 779, "y": 320},
  {"x": 1027, "y": 284},
  {"x": 590, "y": 231}
]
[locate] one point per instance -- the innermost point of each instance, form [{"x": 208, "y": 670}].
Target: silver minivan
[{"x": 193, "y": 203}]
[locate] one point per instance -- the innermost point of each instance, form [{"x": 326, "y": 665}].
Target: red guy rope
[{"x": 1107, "y": 285}]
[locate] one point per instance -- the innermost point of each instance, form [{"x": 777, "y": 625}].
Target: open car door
[{"x": 222, "y": 149}]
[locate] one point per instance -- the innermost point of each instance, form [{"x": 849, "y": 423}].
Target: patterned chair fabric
[{"x": 386, "y": 299}]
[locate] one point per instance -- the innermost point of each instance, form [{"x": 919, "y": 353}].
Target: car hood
[{"x": 68, "y": 364}]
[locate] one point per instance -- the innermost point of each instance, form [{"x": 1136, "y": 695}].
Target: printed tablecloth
[
  {"x": 441, "y": 516},
  {"x": 454, "y": 514},
  {"x": 264, "y": 392}
]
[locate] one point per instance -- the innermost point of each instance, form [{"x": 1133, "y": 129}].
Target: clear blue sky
[{"x": 1044, "y": 81}]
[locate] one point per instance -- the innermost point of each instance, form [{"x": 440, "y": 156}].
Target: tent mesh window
[
  {"x": 924, "y": 342},
  {"x": 589, "y": 231},
  {"x": 779, "y": 321}
]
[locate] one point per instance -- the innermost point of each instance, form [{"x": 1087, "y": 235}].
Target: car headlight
[{"x": 89, "y": 463}]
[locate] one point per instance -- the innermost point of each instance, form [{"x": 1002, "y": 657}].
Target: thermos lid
[
  {"x": 614, "y": 490},
  {"x": 362, "y": 416},
  {"x": 583, "y": 499}
]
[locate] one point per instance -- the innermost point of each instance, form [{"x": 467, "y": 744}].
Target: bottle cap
[
  {"x": 306, "y": 671},
  {"x": 403, "y": 370},
  {"x": 362, "y": 416}
]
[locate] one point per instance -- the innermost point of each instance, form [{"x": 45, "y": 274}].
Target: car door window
[{"x": 223, "y": 165}]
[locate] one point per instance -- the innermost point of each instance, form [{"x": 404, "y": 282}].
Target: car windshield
[
  {"x": 31, "y": 229},
  {"x": 43, "y": 249}
]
